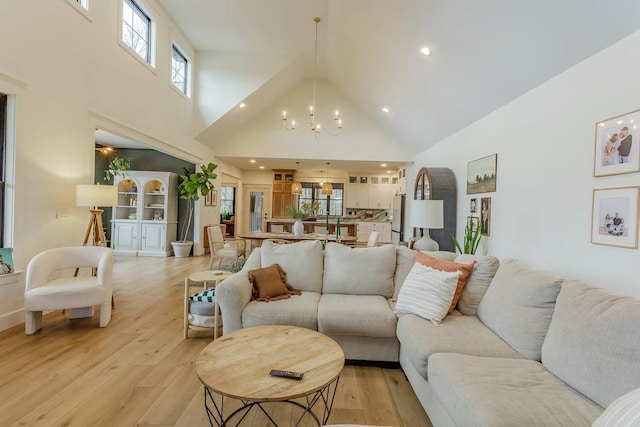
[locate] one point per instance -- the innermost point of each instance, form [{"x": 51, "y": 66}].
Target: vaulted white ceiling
[{"x": 484, "y": 54}]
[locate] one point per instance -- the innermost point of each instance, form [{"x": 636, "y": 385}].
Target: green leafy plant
[
  {"x": 471, "y": 237},
  {"x": 192, "y": 186},
  {"x": 305, "y": 211},
  {"x": 117, "y": 166}
]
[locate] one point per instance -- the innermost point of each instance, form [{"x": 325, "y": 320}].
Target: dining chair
[
  {"x": 220, "y": 248},
  {"x": 373, "y": 238}
]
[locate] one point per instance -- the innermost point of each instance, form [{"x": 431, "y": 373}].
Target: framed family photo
[
  {"x": 485, "y": 216},
  {"x": 473, "y": 205},
  {"x": 617, "y": 145},
  {"x": 614, "y": 217},
  {"x": 481, "y": 175}
]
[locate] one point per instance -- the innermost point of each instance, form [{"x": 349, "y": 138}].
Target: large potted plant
[
  {"x": 117, "y": 167},
  {"x": 192, "y": 186}
]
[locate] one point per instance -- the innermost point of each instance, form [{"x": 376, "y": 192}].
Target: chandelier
[{"x": 313, "y": 125}]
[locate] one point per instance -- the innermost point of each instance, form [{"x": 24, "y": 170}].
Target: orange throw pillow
[
  {"x": 443, "y": 265},
  {"x": 270, "y": 284}
]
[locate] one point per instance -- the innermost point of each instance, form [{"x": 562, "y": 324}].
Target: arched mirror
[{"x": 437, "y": 184}]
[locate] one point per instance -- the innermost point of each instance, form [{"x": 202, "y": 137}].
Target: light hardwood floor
[{"x": 140, "y": 371}]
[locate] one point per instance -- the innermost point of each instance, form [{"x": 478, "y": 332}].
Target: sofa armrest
[{"x": 233, "y": 294}]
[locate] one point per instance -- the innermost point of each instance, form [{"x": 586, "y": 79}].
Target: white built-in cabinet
[
  {"x": 145, "y": 221},
  {"x": 371, "y": 192}
]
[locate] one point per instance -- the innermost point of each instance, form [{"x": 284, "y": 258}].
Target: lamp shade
[
  {"x": 296, "y": 188},
  {"x": 427, "y": 214},
  {"x": 327, "y": 188},
  {"x": 96, "y": 195}
]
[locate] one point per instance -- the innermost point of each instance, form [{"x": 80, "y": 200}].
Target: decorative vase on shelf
[{"x": 298, "y": 228}]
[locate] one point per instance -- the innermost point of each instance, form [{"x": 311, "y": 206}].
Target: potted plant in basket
[
  {"x": 192, "y": 186},
  {"x": 303, "y": 212}
]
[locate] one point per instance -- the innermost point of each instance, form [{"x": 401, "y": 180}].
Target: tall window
[
  {"x": 227, "y": 201},
  {"x": 136, "y": 29},
  {"x": 3, "y": 145},
  {"x": 179, "y": 70},
  {"x": 312, "y": 191}
]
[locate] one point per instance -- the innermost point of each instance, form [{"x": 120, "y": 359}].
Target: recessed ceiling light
[
  {"x": 385, "y": 110},
  {"x": 425, "y": 51},
  {"x": 384, "y": 165},
  {"x": 252, "y": 161},
  {"x": 242, "y": 105},
  {"x": 388, "y": 171},
  {"x": 261, "y": 167}
]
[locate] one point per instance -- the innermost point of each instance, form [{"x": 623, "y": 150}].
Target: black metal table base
[{"x": 325, "y": 397}]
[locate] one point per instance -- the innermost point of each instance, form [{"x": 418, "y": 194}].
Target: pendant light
[
  {"x": 296, "y": 187},
  {"x": 327, "y": 188}
]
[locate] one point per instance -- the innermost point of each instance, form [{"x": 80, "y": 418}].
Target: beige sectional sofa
[{"x": 522, "y": 348}]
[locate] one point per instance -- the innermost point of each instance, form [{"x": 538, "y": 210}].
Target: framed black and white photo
[
  {"x": 473, "y": 205},
  {"x": 482, "y": 175},
  {"x": 614, "y": 217},
  {"x": 485, "y": 216},
  {"x": 617, "y": 145}
]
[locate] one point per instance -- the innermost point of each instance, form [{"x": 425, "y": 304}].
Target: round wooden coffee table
[{"x": 237, "y": 366}]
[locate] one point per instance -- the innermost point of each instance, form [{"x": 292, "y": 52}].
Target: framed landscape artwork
[
  {"x": 614, "y": 217},
  {"x": 617, "y": 145},
  {"x": 481, "y": 175},
  {"x": 485, "y": 216}
]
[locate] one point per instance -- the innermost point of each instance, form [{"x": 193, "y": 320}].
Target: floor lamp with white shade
[
  {"x": 426, "y": 214},
  {"x": 95, "y": 196}
]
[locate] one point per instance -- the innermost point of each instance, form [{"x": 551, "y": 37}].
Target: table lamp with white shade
[
  {"x": 426, "y": 214},
  {"x": 95, "y": 196}
]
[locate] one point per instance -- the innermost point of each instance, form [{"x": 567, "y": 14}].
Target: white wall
[
  {"x": 541, "y": 211},
  {"x": 69, "y": 74}
]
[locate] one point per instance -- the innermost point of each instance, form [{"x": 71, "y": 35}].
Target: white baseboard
[{"x": 9, "y": 320}]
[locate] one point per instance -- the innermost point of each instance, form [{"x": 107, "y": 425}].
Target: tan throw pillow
[
  {"x": 442, "y": 265},
  {"x": 270, "y": 284}
]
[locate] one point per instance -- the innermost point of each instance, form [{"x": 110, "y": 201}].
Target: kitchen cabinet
[
  {"x": 145, "y": 220},
  {"x": 375, "y": 192},
  {"x": 281, "y": 196},
  {"x": 366, "y": 227}
]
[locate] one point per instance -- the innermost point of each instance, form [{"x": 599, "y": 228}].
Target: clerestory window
[
  {"x": 179, "y": 70},
  {"x": 136, "y": 29}
]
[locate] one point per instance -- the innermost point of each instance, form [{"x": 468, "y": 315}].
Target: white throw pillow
[
  {"x": 622, "y": 412},
  {"x": 427, "y": 292}
]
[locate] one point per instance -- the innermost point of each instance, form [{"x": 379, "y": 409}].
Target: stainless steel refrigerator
[{"x": 397, "y": 221}]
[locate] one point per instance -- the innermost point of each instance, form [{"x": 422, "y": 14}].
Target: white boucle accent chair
[{"x": 45, "y": 291}]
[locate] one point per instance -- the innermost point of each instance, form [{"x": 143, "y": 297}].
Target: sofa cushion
[
  {"x": 456, "y": 334},
  {"x": 492, "y": 392},
  {"x": 444, "y": 265},
  {"x": 624, "y": 411},
  {"x": 518, "y": 306},
  {"x": 405, "y": 258},
  {"x": 299, "y": 310},
  {"x": 478, "y": 281},
  {"x": 374, "y": 315},
  {"x": 358, "y": 271},
  {"x": 593, "y": 343},
  {"x": 301, "y": 260},
  {"x": 427, "y": 292}
]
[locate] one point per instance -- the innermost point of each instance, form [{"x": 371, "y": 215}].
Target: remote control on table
[{"x": 286, "y": 374}]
